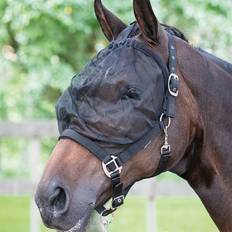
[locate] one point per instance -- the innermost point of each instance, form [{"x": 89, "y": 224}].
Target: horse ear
[
  {"x": 147, "y": 20},
  {"x": 111, "y": 25}
]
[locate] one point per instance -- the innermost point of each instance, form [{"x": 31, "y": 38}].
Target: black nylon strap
[
  {"x": 84, "y": 141},
  {"x": 102, "y": 154},
  {"x": 117, "y": 195},
  {"x": 142, "y": 143},
  {"x": 172, "y": 54},
  {"x": 173, "y": 83},
  {"x": 164, "y": 159}
]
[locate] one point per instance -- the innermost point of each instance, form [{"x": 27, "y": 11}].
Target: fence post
[
  {"x": 34, "y": 162},
  {"x": 151, "y": 208}
]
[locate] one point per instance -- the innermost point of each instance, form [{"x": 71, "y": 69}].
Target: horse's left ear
[
  {"x": 111, "y": 25},
  {"x": 147, "y": 20}
]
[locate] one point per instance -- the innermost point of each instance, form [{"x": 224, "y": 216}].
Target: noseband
[{"x": 112, "y": 164}]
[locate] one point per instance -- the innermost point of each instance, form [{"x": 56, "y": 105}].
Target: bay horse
[{"x": 149, "y": 71}]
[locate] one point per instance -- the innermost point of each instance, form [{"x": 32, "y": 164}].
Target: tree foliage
[{"x": 44, "y": 43}]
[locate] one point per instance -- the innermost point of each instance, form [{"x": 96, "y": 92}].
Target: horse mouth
[
  {"x": 82, "y": 223},
  {"x": 78, "y": 227}
]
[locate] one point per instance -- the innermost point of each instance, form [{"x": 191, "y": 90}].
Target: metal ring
[{"x": 162, "y": 120}]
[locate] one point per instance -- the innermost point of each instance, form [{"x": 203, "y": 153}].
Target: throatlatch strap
[{"x": 170, "y": 101}]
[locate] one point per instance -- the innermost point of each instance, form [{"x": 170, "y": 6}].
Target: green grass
[
  {"x": 14, "y": 214},
  {"x": 185, "y": 214}
]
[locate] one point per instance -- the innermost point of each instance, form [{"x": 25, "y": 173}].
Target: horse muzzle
[{"x": 54, "y": 201}]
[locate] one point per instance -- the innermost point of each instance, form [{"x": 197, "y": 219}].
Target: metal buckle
[
  {"x": 173, "y": 92},
  {"x": 118, "y": 168},
  {"x": 107, "y": 212},
  {"x": 165, "y": 150},
  {"x": 118, "y": 201}
]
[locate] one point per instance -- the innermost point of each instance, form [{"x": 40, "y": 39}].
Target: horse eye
[{"x": 131, "y": 93}]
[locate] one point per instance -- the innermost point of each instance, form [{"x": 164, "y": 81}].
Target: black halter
[{"x": 112, "y": 164}]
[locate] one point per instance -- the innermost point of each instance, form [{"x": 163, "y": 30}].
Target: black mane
[
  {"x": 175, "y": 31},
  {"x": 170, "y": 29},
  {"x": 222, "y": 63}
]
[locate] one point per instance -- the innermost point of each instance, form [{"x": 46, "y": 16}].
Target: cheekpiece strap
[
  {"x": 173, "y": 80},
  {"x": 169, "y": 105}
]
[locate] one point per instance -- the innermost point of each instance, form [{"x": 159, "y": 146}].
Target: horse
[{"x": 157, "y": 104}]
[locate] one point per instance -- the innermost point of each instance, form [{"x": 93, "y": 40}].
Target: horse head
[{"x": 112, "y": 105}]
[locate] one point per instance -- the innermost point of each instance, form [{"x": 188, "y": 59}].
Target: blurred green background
[
  {"x": 44, "y": 43},
  {"x": 185, "y": 214}
]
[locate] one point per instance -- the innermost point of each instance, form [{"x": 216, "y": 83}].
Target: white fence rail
[
  {"x": 29, "y": 129},
  {"x": 143, "y": 188}
]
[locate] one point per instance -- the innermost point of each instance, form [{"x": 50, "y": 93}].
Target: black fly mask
[
  {"x": 118, "y": 103},
  {"x": 116, "y": 99}
]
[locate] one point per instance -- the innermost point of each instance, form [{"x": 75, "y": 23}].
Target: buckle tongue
[{"x": 112, "y": 165}]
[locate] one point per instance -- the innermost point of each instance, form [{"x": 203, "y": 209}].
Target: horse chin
[{"x": 82, "y": 224}]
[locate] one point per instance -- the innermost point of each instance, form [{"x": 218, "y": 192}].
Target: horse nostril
[{"x": 59, "y": 201}]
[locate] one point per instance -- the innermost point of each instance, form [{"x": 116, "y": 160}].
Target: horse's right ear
[
  {"x": 147, "y": 20},
  {"x": 111, "y": 25}
]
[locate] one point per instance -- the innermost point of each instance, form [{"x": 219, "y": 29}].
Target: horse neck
[{"x": 209, "y": 159}]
